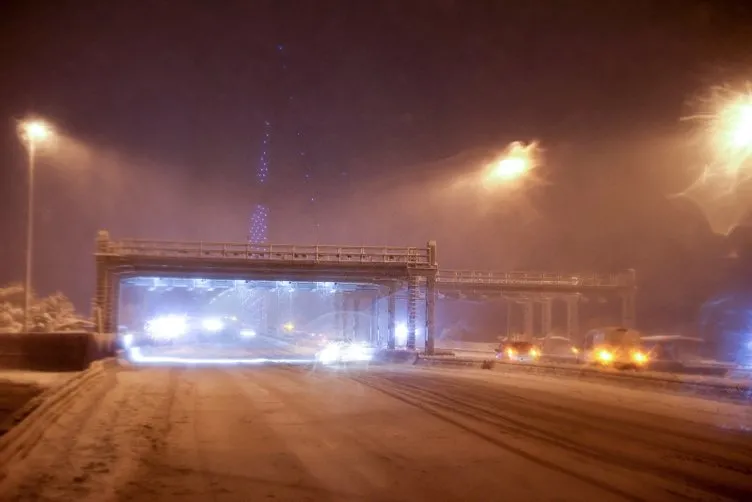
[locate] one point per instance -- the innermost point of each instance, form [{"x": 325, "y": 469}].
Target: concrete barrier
[
  {"x": 459, "y": 346},
  {"x": 696, "y": 384},
  {"x": 65, "y": 351},
  {"x": 395, "y": 356}
]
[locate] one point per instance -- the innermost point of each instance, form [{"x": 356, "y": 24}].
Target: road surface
[
  {"x": 251, "y": 348},
  {"x": 298, "y": 433}
]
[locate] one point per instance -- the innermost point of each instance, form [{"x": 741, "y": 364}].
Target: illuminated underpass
[
  {"x": 167, "y": 299},
  {"x": 188, "y": 318}
]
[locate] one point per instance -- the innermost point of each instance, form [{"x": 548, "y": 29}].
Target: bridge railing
[
  {"x": 270, "y": 252},
  {"x": 470, "y": 277}
]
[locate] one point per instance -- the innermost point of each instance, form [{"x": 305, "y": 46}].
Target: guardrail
[
  {"x": 63, "y": 351},
  {"x": 269, "y": 252},
  {"x": 534, "y": 279},
  {"x": 712, "y": 386}
]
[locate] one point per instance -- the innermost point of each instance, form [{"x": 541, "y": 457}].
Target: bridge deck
[
  {"x": 327, "y": 263},
  {"x": 132, "y": 248},
  {"x": 230, "y": 260},
  {"x": 468, "y": 279}
]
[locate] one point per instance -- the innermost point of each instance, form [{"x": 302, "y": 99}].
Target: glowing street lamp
[
  {"x": 725, "y": 134},
  {"x": 733, "y": 132},
  {"x": 728, "y": 130},
  {"x": 516, "y": 163},
  {"x": 734, "y": 126},
  {"x": 32, "y": 133}
]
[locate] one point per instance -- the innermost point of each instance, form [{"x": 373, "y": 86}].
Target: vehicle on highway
[
  {"x": 175, "y": 328},
  {"x": 518, "y": 352},
  {"x": 684, "y": 354},
  {"x": 344, "y": 351},
  {"x": 162, "y": 330},
  {"x": 247, "y": 332},
  {"x": 615, "y": 347},
  {"x": 555, "y": 348},
  {"x": 215, "y": 328}
]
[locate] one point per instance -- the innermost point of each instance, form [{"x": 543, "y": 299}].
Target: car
[
  {"x": 343, "y": 351},
  {"x": 518, "y": 352},
  {"x": 216, "y": 328},
  {"x": 560, "y": 349},
  {"x": 615, "y": 347}
]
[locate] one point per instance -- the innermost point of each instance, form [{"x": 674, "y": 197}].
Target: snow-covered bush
[{"x": 52, "y": 313}]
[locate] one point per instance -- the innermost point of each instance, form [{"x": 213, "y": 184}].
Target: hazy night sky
[{"x": 163, "y": 104}]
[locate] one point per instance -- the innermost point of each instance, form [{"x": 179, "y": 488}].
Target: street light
[
  {"x": 733, "y": 128},
  {"x": 32, "y": 132},
  {"x": 514, "y": 164},
  {"x": 725, "y": 133},
  {"x": 736, "y": 123}
]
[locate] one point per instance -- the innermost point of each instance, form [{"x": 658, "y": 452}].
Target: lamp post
[{"x": 32, "y": 133}]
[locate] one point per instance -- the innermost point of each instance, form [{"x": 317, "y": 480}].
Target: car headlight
[
  {"x": 511, "y": 353},
  {"x": 357, "y": 352},
  {"x": 331, "y": 353},
  {"x": 605, "y": 356},
  {"x": 167, "y": 327},
  {"x": 534, "y": 353},
  {"x": 639, "y": 357},
  {"x": 575, "y": 350},
  {"x": 213, "y": 325}
]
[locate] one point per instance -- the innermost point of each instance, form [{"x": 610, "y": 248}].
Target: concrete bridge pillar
[
  {"x": 374, "y": 337},
  {"x": 573, "y": 318},
  {"x": 509, "y": 318},
  {"x": 392, "y": 314},
  {"x": 115, "y": 290},
  {"x": 103, "y": 296},
  {"x": 629, "y": 300},
  {"x": 546, "y": 310},
  {"x": 412, "y": 308},
  {"x": 528, "y": 313},
  {"x": 355, "y": 316},
  {"x": 346, "y": 315},
  {"x": 263, "y": 306},
  {"x": 628, "y": 310},
  {"x": 430, "y": 315},
  {"x": 339, "y": 313}
]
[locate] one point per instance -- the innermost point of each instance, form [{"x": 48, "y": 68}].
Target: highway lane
[
  {"x": 308, "y": 433},
  {"x": 250, "y": 348}
]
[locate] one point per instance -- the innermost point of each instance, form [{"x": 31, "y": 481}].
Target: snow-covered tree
[
  {"x": 11, "y": 308},
  {"x": 52, "y": 313}
]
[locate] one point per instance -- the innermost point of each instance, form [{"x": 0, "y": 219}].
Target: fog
[{"x": 564, "y": 219}]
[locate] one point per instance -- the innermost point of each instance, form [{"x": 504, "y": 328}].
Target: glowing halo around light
[
  {"x": 726, "y": 136},
  {"x": 515, "y": 164}
]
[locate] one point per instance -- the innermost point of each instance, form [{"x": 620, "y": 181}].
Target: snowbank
[{"x": 38, "y": 378}]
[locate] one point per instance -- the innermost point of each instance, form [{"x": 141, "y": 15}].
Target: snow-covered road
[
  {"x": 257, "y": 347},
  {"x": 296, "y": 433}
]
